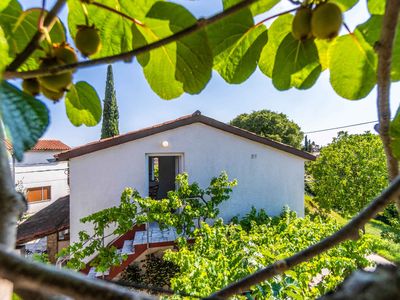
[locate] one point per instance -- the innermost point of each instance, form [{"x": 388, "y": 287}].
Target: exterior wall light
[{"x": 165, "y": 144}]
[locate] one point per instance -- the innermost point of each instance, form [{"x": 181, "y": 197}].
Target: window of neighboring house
[
  {"x": 37, "y": 194},
  {"x": 63, "y": 235}
]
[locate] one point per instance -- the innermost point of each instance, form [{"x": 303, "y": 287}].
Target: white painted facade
[
  {"x": 268, "y": 178},
  {"x": 39, "y": 169}
]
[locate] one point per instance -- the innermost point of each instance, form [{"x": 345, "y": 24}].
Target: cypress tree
[{"x": 109, "y": 127}]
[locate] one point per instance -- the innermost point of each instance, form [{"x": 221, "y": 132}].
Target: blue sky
[{"x": 313, "y": 109}]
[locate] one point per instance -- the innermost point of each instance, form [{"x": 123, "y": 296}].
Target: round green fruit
[
  {"x": 56, "y": 83},
  {"x": 31, "y": 86},
  {"x": 65, "y": 53},
  {"x": 87, "y": 40},
  {"x": 301, "y": 25},
  {"x": 52, "y": 95},
  {"x": 326, "y": 21}
]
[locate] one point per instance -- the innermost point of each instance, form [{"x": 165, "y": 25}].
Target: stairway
[{"x": 133, "y": 244}]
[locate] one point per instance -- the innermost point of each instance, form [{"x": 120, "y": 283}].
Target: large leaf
[
  {"x": 4, "y": 58},
  {"x": 4, "y": 4},
  {"x": 83, "y": 105},
  {"x": 182, "y": 66},
  {"x": 24, "y": 117},
  {"x": 276, "y": 33},
  {"x": 394, "y": 132},
  {"x": 376, "y": 7},
  {"x": 115, "y": 30},
  {"x": 236, "y": 44},
  {"x": 239, "y": 61},
  {"x": 371, "y": 31},
  {"x": 296, "y": 64},
  {"x": 262, "y": 6},
  {"x": 21, "y": 27},
  {"x": 352, "y": 64}
]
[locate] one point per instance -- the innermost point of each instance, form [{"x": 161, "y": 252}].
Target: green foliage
[
  {"x": 270, "y": 124},
  {"x": 182, "y": 209},
  {"x": 83, "y": 105},
  {"x": 349, "y": 172},
  {"x": 223, "y": 254},
  {"x": 158, "y": 272},
  {"x": 41, "y": 258},
  {"x": 24, "y": 117},
  {"x": 109, "y": 127}
]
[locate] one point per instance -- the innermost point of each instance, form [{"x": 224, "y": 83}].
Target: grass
[{"x": 383, "y": 247}]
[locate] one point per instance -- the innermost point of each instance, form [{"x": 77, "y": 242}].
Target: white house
[
  {"x": 270, "y": 174},
  {"x": 40, "y": 177}
]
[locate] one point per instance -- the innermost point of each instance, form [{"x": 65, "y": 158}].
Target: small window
[
  {"x": 37, "y": 194},
  {"x": 63, "y": 235}
]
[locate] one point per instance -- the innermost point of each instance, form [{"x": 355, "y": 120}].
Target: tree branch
[
  {"x": 51, "y": 17},
  {"x": 39, "y": 277},
  {"x": 385, "y": 50},
  {"x": 127, "y": 56},
  {"x": 348, "y": 232}
]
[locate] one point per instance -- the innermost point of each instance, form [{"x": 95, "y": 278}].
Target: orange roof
[{"x": 50, "y": 145}]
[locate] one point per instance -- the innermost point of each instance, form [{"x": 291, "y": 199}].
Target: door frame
[{"x": 180, "y": 167}]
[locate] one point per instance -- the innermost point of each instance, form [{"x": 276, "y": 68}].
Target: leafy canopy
[
  {"x": 349, "y": 172},
  {"x": 223, "y": 254},
  {"x": 270, "y": 124}
]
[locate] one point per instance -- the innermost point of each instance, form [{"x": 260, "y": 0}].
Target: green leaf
[
  {"x": 345, "y": 4},
  {"x": 83, "y": 105},
  {"x": 371, "y": 31},
  {"x": 24, "y": 117},
  {"x": 296, "y": 64},
  {"x": 9, "y": 16},
  {"x": 239, "y": 61},
  {"x": 4, "y": 4},
  {"x": 24, "y": 26},
  {"x": 236, "y": 44},
  {"x": 115, "y": 30},
  {"x": 182, "y": 66},
  {"x": 262, "y": 6},
  {"x": 352, "y": 65},
  {"x": 276, "y": 33},
  {"x": 376, "y": 7},
  {"x": 4, "y": 58},
  {"x": 323, "y": 48}
]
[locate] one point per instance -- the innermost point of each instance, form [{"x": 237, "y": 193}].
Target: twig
[
  {"x": 127, "y": 56},
  {"x": 34, "y": 276},
  {"x": 112, "y": 10},
  {"x": 348, "y": 232},
  {"x": 51, "y": 17},
  {"x": 385, "y": 50},
  {"x": 276, "y": 15}
]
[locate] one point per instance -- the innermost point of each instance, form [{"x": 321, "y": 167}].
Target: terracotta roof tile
[{"x": 50, "y": 145}]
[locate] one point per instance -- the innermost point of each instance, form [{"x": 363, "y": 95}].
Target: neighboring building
[
  {"x": 270, "y": 174},
  {"x": 40, "y": 177}
]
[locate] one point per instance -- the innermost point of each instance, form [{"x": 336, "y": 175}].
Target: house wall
[
  {"x": 267, "y": 178},
  {"x": 54, "y": 175}
]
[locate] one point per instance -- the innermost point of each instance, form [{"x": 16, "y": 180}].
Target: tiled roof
[
  {"x": 182, "y": 121},
  {"x": 50, "y": 219},
  {"x": 45, "y": 145},
  {"x": 50, "y": 145}
]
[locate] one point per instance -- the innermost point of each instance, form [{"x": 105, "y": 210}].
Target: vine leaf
[
  {"x": 20, "y": 26},
  {"x": 24, "y": 117},
  {"x": 296, "y": 64},
  {"x": 115, "y": 30},
  {"x": 4, "y": 58},
  {"x": 371, "y": 31},
  {"x": 352, "y": 65},
  {"x": 83, "y": 105},
  {"x": 276, "y": 33},
  {"x": 182, "y": 66},
  {"x": 4, "y": 4},
  {"x": 394, "y": 132},
  {"x": 376, "y": 7}
]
